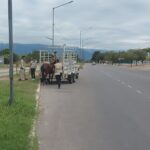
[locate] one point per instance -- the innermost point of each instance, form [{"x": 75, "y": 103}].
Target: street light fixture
[{"x": 53, "y": 25}]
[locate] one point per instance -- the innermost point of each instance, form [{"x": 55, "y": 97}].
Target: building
[{"x": 1, "y": 60}]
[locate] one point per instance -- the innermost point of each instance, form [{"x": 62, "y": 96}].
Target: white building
[{"x": 1, "y": 60}]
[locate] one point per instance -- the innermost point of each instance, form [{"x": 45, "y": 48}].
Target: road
[{"x": 108, "y": 108}]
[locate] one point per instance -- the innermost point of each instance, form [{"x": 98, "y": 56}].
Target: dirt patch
[{"x": 4, "y": 78}]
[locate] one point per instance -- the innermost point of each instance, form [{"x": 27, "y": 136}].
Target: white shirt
[
  {"x": 22, "y": 64},
  {"x": 58, "y": 68},
  {"x": 33, "y": 64}
]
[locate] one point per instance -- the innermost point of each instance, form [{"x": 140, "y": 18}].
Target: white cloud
[{"x": 115, "y": 24}]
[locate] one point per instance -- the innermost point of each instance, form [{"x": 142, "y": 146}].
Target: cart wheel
[
  {"x": 70, "y": 79},
  {"x": 73, "y": 78},
  {"x": 77, "y": 76}
]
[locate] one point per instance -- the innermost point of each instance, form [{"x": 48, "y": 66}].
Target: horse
[
  {"x": 47, "y": 72},
  {"x": 51, "y": 71}
]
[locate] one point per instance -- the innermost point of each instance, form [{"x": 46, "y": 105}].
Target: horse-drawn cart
[{"x": 68, "y": 58}]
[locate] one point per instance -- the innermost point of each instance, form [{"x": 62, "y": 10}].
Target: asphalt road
[{"x": 108, "y": 108}]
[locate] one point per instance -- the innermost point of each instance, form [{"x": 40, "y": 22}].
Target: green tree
[
  {"x": 34, "y": 55},
  {"x": 95, "y": 56},
  {"x": 141, "y": 55},
  {"x": 6, "y": 53},
  {"x": 112, "y": 56},
  {"x": 130, "y": 56}
]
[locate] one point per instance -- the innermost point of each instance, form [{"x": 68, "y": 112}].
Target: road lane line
[
  {"x": 123, "y": 83},
  {"x": 45, "y": 123},
  {"x": 129, "y": 86},
  {"x": 139, "y": 92},
  {"x": 118, "y": 80},
  {"x": 108, "y": 75}
]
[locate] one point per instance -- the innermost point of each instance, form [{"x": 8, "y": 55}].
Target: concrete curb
[{"x": 33, "y": 130}]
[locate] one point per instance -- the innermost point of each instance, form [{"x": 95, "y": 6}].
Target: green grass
[
  {"x": 16, "y": 120},
  {"x": 81, "y": 65}
]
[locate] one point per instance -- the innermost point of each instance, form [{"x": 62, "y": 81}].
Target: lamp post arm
[{"x": 62, "y": 4}]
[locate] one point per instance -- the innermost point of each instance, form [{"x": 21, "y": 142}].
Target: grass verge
[
  {"x": 81, "y": 65},
  {"x": 16, "y": 120}
]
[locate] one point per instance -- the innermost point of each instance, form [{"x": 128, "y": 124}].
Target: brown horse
[
  {"x": 47, "y": 73},
  {"x": 51, "y": 71}
]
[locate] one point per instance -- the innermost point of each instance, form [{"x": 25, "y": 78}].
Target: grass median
[{"x": 16, "y": 120}]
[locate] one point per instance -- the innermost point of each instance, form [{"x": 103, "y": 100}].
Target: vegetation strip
[
  {"x": 16, "y": 121},
  {"x": 132, "y": 56}
]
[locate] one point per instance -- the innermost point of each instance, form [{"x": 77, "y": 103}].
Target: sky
[{"x": 104, "y": 24}]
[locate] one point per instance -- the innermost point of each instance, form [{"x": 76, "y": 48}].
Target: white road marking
[
  {"x": 139, "y": 92},
  {"x": 46, "y": 123},
  {"x": 122, "y": 82},
  {"x": 46, "y": 112},
  {"x": 129, "y": 86},
  {"x": 118, "y": 80},
  {"x": 108, "y": 75}
]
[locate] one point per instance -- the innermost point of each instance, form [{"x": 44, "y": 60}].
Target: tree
[
  {"x": 141, "y": 55},
  {"x": 6, "y": 53},
  {"x": 130, "y": 56},
  {"x": 33, "y": 55},
  {"x": 95, "y": 56},
  {"x": 112, "y": 56}
]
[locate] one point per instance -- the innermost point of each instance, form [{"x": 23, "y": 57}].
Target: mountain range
[{"x": 29, "y": 48}]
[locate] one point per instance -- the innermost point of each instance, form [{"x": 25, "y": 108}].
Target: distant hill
[
  {"x": 28, "y": 48},
  {"x": 24, "y": 48}
]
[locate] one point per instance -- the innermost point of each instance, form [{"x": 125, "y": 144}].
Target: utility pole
[
  {"x": 81, "y": 42},
  {"x": 80, "y": 45},
  {"x": 53, "y": 24},
  {"x": 10, "y": 18}
]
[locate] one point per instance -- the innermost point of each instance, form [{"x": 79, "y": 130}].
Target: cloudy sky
[{"x": 104, "y": 24}]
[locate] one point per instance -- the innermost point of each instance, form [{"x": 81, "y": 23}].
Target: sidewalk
[{"x": 55, "y": 115}]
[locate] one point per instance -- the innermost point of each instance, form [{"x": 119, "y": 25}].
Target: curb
[{"x": 33, "y": 130}]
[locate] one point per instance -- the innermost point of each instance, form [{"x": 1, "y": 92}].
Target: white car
[{"x": 93, "y": 63}]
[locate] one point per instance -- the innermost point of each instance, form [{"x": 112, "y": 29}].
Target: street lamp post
[
  {"x": 80, "y": 45},
  {"x": 53, "y": 24},
  {"x": 81, "y": 42},
  {"x": 50, "y": 45},
  {"x": 11, "y": 98}
]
